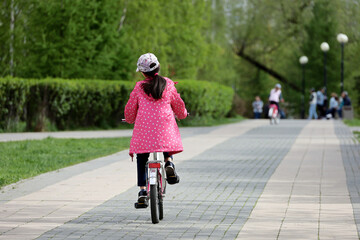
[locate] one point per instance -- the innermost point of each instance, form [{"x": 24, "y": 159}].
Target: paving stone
[
  {"x": 217, "y": 192},
  {"x": 350, "y": 152}
]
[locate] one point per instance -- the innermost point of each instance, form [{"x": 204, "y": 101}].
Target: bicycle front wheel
[{"x": 154, "y": 203}]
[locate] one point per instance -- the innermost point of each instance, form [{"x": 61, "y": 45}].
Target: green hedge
[
  {"x": 70, "y": 104},
  {"x": 206, "y": 99}
]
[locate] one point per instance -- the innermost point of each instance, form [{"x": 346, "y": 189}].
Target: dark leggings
[
  {"x": 142, "y": 159},
  {"x": 322, "y": 111},
  {"x": 332, "y": 111}
]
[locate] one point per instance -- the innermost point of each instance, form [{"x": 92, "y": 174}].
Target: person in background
[
  {"x": 333, "y": 106},
  {"x": 275, "y": 95},
  {"x": 321, "y": 102},
  {"x": 258, "y": 107},
  {"x": 344, "y": 101},
  {"x": 312, "y": 102}
]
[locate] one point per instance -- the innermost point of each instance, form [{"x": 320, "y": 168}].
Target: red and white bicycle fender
[
  {"x": 152, "y": 176},
  {"x": 275, "y": 113}
]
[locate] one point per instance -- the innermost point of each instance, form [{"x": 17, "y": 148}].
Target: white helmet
[
  {"x": 144, "y": 62},
  {"x": 278, "y": 85}
]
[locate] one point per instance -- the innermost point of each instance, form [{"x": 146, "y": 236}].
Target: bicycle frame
[{"x": 156, "y": 172}]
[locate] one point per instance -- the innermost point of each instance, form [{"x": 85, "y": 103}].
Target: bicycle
[
  {"x": 274, "y": 114},
  {"x": 155, "y": 187}
]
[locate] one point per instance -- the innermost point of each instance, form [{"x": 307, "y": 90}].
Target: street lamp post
[
  {"x": 342, "y": 39},
  {"x": 303, "y": 60},
  {"x": 325, "y": 47}
]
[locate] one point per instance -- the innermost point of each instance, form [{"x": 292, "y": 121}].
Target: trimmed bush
[
  {"x": 67, "y": 104},
  {"x": 71, "y": 104},
  {"x": 206, "y": 99},
  {"x": 13, "y": 97}
]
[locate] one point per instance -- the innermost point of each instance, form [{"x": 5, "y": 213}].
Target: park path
[{"x": 247, "y": 180}]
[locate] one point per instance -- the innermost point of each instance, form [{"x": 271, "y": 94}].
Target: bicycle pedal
[{"x": 141, "y": 205}]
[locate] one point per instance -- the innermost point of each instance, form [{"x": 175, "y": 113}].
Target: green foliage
[
  {"x": 172, "y": 30},
  {"x": 79, "y": 39},
  {"x": 357, "y": 135},
  {"x": 270, "y": 32},
  {"x": 68, "y": 104},
  {"x": 65, "y": 103},
  {"x": 353, "y": 122},
  {"x": 25, "y": 159},
  {"x": 193, "y": 39},
  {"x": 277, "y": 33},
  {"x": 13, "y": 97},
  {"x": 322, "y": 28},
  {"x": 95, "y": 39},
  {"x": 12, "y": 35},
  {"x": 349, "y": 23},
  {"x": 67, "y": 39}
]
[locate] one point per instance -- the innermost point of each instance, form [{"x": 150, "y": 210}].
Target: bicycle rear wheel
[{"x": 154, "y": 203}]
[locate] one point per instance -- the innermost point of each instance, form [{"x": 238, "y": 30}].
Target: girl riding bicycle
[{"x": 153, "y": 105}]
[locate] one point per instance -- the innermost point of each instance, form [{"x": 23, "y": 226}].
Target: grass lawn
[
  {"x": 352, "y": 123},
  {"x": 357, "y": 135},
  {"x": 25, "y": 159}
]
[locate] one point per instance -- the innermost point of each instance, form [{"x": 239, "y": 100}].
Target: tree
[
  {"x": 173, "y": 31},
  {"x": 272, "y": 35},
  {"x": 221, "y": 62},
  {"x": 74, "y": 39},
  {"x": 322, "y": 28},
  {"x": 264, "y": 29},
  {"x": 250, "y": 45},
  {"x": 12, "y": 37}
]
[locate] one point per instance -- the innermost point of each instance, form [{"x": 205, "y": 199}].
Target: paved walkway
[
  {"x": 5, "y": 137},
  {"x": 297, "y": 180}
]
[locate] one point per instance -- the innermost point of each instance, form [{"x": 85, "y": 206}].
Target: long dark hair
[{"x": 156, "y": 86}]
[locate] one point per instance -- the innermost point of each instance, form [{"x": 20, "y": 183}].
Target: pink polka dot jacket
[{"x": 155, "y": 127}]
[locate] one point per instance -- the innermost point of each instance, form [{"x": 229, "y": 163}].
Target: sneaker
[
  {"x": 171, "y": 176},
  {"x": 142, "y": 196}
]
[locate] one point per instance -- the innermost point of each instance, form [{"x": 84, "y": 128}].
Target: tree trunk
[
  {"x": 122, "y": 19},
  {"x": 11, "y": 47},
  {"x": 269, "y": 71},
  {"x": 42, "y": 112}
]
